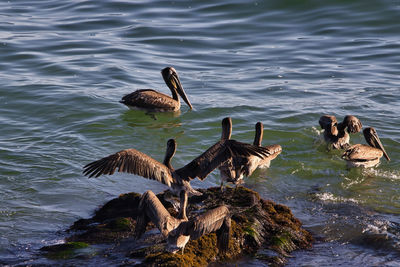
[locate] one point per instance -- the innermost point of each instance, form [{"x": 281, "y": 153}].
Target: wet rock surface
[{"x": 260, "y": 228}]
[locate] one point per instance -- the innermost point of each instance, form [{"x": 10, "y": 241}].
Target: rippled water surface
[{"x": 65, "y": 64}]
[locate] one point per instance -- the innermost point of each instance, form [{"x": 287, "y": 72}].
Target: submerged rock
[{"x": 260, "y": 228}]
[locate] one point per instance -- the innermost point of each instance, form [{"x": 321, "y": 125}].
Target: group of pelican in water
[
  {"x": 358, "y": 155},
  {"x": 234, "y": 160}
]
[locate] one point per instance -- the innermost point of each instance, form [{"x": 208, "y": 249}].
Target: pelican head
[
  {"x": 172, "y": 80},
  {"x": 373, "y": 140},
  {"x": 353, "y": 124},
  {"x": 329, "y": 124},
  {"x": 170, "y": 152},
  {"x": 226, "y": 128}
]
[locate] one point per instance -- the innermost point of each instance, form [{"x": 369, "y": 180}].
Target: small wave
[
  {"x": 318, "y": 132},
  {"x": 392, "y": 174},
  {"x": 379, "y": 227},
  {"x": 326, "y": 196},
  {"x": 7, "y": 213},
  {"x": 390, "y": 231}
]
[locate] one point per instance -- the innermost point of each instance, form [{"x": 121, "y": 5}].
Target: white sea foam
[
  {"x": 392, "y": 174},
  {"x": 326, "y": 196}
]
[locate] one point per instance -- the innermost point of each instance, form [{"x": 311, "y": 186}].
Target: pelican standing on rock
[
  {"x": 153, "y": 101},
  {"x": 338, "y": 135},
  {"x": 231, "y": 170},
  {"x": 366, "y": 155},
  {"x": 180, "y": 230},
  {"x": 136, "y": 162}
]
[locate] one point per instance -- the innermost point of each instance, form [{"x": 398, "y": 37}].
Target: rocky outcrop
[{"x": 260, "y": 228}]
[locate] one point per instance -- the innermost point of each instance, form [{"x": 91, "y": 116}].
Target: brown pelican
[
  {"x": 216, "y": 220},
  {"x": 136, "y": 162},
  {"x": 231, "y": 170},
  {"x": 234, "y": 170},
  {"x": 338, "y": 134},
  {"x": 151, "y": 209},
  {"x": 179, "y": 230},
  {"x": 363, "y": 155},
  {"x": 274, "y": 150},
  {"x": 152, "y": 100}
]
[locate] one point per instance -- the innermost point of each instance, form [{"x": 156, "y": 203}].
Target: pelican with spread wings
[
  {"x": 136, "y": 162},
  {"x": 235, "y": 169}
]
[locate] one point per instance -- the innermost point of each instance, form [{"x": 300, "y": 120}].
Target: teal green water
[{"x": 65, "y": 64}]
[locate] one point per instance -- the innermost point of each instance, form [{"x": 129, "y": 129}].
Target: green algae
[
  {"x": 64, "y": 251},
  {"x": 283, "y": 243},
  {"x": 120, "y": 224}
]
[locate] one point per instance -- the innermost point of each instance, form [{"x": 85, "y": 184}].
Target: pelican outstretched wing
[
  {"x": 216, "y": 155},
  {"x": 130, "y": 161},
  {"x": 274, "y": 150}
]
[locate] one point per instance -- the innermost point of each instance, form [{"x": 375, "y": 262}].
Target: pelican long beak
[
  {"x": 380, "y": 146},
  {"x": 373, "y": 140},
  {"x": 178, "y": 86}
]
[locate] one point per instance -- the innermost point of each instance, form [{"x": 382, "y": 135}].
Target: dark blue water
[{"x": 65, "y": 64}]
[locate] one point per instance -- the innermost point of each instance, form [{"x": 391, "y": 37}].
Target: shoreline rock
[{"x": 260, "y": 228}]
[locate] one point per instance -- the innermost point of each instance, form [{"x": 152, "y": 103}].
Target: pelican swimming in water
[
  {"x": 366, "y": 155},
  {"x": 338, "y": 134},
  {"x": 151, "y": 100},
  {"x": 234, "y": 170},
  {"x": 136, "y": 162},
  {"x": 180, "y": 230}
]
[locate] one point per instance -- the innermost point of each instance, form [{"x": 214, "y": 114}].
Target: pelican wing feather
[
  {"x": 216, "y": 155},
  {"x": 149, "y": 99},
  {"x": 274, "y": 151},
  {"x": 203, "y": 224},
  {"x": 361, "y": 152},
  {"x": 130, "y": 161}
]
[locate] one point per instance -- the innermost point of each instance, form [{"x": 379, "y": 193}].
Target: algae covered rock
[
  {"x": 64, "y": 251},
  {"x": 260, "y": 228}
]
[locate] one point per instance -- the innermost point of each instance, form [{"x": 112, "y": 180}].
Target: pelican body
[
  {"x": 180, "y": 230},
  {"x": 338, "y": 134},
  {"x": 366, "y": 156},
  {"x": 136, "y": 162},
  {"x": 230, "y": 171},
  {"x": 153, "y": 101},
  {"x": 274, "y": 151},
  {"x": 234, "y": 170}
]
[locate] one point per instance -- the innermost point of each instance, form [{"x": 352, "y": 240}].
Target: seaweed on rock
[{"x": 257, "y": 224}]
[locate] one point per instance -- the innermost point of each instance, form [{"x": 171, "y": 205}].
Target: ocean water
[{"x": 64, "y": 65}]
